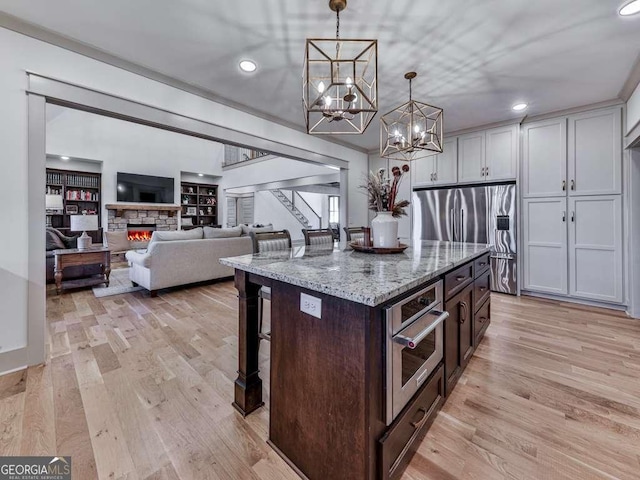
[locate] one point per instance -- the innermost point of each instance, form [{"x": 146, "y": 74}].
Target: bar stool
[
  {"x": 354, "y": 234},
  {"x": 318, "y": 236},
  {"x": 268, "y": 242}
]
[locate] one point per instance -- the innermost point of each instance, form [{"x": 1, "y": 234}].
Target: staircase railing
[
  {"x": 297, "y": 198},
  {"x": 288, "y": 204},
  {"x": 234, "y": 155}
]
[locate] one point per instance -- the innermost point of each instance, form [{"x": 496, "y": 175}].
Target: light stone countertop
[{"x": 360, "y": 277}]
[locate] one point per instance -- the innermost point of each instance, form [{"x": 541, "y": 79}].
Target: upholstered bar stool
[
  {"x": 268, "y": 242},
  {"x": 318, "y": 236},
  {"x": 354, "y": 234}
]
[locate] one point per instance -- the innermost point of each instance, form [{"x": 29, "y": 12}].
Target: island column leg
[{"x": 248, "y": 385}]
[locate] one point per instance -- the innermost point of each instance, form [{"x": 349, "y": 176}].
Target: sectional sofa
[{"x": 185, "y": 257}]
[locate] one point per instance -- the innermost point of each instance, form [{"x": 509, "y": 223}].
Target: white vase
[{"x": 384, "y": 229}]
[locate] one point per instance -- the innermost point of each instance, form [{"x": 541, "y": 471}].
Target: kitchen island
[{"x": 335, "y": 408}]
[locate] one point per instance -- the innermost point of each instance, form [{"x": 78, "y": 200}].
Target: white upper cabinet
[
  {"x": 544, "y": 158},
  {"x": 545, "y": 245},
  {"x": 422, "y": 171},
  {"x": 445, "y": 164},
  {"x": 471, "y": 157},
  {"x": 595, "y": 152},
  {"x": 501, "y": 153},
  {"x": 595, "y": 247}
]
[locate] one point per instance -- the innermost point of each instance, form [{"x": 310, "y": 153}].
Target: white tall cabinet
[{"x": 572, "y": 206}]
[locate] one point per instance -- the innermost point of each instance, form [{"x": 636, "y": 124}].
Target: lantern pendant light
[
  {"x": 340, "y": 82},
  {"x": 411, "y": 131}
]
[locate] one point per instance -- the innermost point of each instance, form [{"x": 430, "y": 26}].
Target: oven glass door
[{"x": 413, "y": 359}]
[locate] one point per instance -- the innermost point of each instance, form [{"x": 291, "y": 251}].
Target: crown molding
[
  {"x": 37, "y": 32},
  {"x": 632, "y": 81}
]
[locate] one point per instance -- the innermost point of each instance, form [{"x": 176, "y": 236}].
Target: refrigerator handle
[
  {"x": 453, "y": 224},
  {"x": 462, "y": 224}
]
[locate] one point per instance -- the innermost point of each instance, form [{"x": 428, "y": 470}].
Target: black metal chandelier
[
  {"x": 412, "y": 130},
  {"x": 340, "y": 82}
]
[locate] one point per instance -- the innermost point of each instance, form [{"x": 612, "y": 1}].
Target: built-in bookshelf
[
  {"x": 199, "y": 203},
  {"x": 70, "y": 193}
]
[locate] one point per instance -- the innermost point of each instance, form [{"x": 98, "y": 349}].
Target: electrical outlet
[{"x": 311, "y": 305}]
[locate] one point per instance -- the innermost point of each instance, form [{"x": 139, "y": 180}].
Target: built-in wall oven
[{"x": 414, "y": 345}]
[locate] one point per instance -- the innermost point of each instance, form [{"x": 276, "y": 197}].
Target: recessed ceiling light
[
  {"x": 248, "y": 66},
  {"x": 201, "y": 174},
  {"x": 518, "y": 107},
  {"x": 630, "y": 8},
  {"x": 64, "y": 158}
]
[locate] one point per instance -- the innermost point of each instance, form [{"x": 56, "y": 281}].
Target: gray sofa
[{"x": 185, "y": 257}]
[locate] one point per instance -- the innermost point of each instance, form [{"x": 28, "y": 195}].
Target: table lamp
[
  {"x": 82, "y": 223},
  {"x": 53, "y": 203}
]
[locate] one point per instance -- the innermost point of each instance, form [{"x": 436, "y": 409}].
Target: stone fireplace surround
[{"x": 162, "y": 216}]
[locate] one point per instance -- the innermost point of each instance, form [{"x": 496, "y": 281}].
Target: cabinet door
[
  {"x": 595, "y": 247},
  {"x": 544, "y": 158},
  {"x": 458, "y": 335},
  {"x": 452, "y": 344},
  {"x": 466, "y": 326},
  {"x": 595, "y": 152},
  {"x": 545, "y": 245},
  {"x": 471, "y": 157},
  {"x": 501, "y": 153},
  {"x": 446, "y": 163},
  {"x": 423, "y": 171}
]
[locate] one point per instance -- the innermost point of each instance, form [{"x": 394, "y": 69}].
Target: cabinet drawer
[
  {"x": 482, "y": 320},
  {"x": 457, "y": 280},
  {"x": 481, "y": 289},
  {"x": 481, "y": 264},
  {"x": 399, "y": 443}
]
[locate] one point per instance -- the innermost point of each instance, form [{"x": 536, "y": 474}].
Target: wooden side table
[{"x": 74, "y": 257}]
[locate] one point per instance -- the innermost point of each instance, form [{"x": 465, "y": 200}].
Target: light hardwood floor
[{"x": 141, "y": 388}]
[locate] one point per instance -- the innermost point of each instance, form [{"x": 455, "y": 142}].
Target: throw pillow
[
  {"x": 195, "y": 234},
  {"x": 117, "y": 241},
  {"x": 250, "y": 228},
  {"x": 210, "y": 232},
  {"x": 54, "y": 242}
]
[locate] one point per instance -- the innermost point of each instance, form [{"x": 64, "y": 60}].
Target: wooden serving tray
[{"x": 358, "y": 247}]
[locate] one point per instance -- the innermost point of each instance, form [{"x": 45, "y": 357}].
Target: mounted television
[{"x": 144, "y": 188}]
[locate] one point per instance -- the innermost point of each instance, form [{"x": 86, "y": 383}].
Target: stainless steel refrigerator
[{"x": 476, "y": 214}]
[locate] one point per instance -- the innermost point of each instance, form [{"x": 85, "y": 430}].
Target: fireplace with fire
[{"x": 139, "y": 235}]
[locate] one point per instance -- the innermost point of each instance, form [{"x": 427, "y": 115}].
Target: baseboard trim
[
  {"x": 13, "y": 360},
  {"x": 579, "y": 301}
]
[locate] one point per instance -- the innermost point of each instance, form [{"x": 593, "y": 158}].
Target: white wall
[
  {"x": 20, "y": 54},
  {"x": 268, "y": 209},
  {"x": 131, "y": 148},
  {"x": 273, "y": 170},
  {"x": 319, "y": 202}
]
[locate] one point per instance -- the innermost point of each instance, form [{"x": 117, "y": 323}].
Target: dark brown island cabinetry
[
  {"x": 329, "y": 398},
  {"x": 468, "y": 305}
]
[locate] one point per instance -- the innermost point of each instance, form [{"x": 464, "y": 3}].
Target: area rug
[{"x": 119, "y": 283}]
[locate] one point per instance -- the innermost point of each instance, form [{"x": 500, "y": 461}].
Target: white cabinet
[
  {"x": 437, "y": 169},
  {"x": 545, "y": 245},
  {"x": 595, "y": 247},
  {"x": 489, "y": 155},
  {"x": 595, "y": 152},
  {"x": 471, "y": 157},
  {"x": 422, "y": 171},
  {"x": 445, "y": 164},
  {"x": 544, "y": 158},
  {"x": 501, "y": 157}
]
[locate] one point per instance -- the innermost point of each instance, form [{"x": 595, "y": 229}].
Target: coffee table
[{"x": 75, "y": 257}]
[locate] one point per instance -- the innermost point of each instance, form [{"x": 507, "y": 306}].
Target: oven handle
[{"x": 412, "y": 342}]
